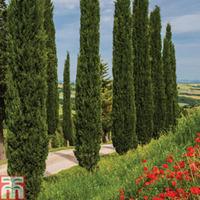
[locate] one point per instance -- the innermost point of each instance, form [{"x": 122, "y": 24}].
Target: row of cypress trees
[
  {"x": 29, "y": 88},
  {"x": 32, "y": 99},
  {"x": 137, "y": 51}
]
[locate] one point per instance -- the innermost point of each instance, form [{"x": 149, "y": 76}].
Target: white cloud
[{"x": 185, "y": 23}]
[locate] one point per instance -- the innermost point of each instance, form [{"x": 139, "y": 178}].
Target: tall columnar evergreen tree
[
  {"x": 27, "y": 139},
  {"x": 124, "y": 112},
  {"x": 67, "y": 115},
  {"x": 175, "y": 88},
  {"x": 3, "y": 64},
  {"x": 142, "y": 71},
  {"x": 106, "y": 96},
  {"x": 169, "y": 64},
  {"x": 52, "y": 77},
  {"x": 88, "y": 87},
  {"x": 157, "y": 72}
]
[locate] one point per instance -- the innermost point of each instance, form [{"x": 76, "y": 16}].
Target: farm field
[{"x": 189, "y": 94}]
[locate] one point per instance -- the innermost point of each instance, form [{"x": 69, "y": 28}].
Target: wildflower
[
  {"x": 165, "y": 166},
  {"x": 169, "y": 159},
  {"x": 171, "y": 194},
  {"x": 181, "y": 164},
  {"x": 174, "y": 183},
  {"x": 146, "y": 197},
  {"x": 157, "y": 198},
  {"x": 195, "y": 190},
  {"x": 144, "y": 161},
  {"x": 197, "y": 140},
  {"x": 145, "y": 169}
]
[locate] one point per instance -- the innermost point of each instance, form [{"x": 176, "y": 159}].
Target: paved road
[{"x": 61, "y": 160}]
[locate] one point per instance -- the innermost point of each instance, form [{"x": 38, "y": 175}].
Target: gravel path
[{"x": 61, "y": 160}]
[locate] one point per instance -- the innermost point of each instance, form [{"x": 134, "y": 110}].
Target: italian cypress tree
[
  {"x": 3, "y": 64},
  {"x": 169, "y": 78},
  {"x": 124, "y": 112},
  {"x": 142, "y": 71},
  {"x": 106, "y": 96},
  {"x": 67, "y": 116},
  {"x": 27, "y": 139},
  {"x": 88, "y": 88},
  {"x": 52, "y": 77},
  {"x": 175, "y": 89},
  {"x": 157, "y": 72}
]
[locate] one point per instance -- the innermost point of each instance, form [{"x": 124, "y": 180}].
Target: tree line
[{"x": 144, "y": 90}]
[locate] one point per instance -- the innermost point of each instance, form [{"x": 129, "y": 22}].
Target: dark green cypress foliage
[
  {"x": 157, "y": 72},
  {"x": 3, "y": 64},
  {"x": 52, "y": 77},
  {"x": 27, "y": 142},
  {"x": 168, "y": 75},
  {"x": 88, "y": 88},
  {"x": 175, "y": 89},
  {"x": 142, "y": 71},
  {"x": 124, "y": 112},
  {"x": 67, "y": 115}
]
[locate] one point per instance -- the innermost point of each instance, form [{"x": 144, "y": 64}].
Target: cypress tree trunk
[
  {"x": 169, "y": 77},
  {"x": 157, "y": 72},
  {"x": 67, "y": 115},
  {"x": 27, "y": 142},
  {"x": 52, "y": 77},
  {"x": 142, "y": 71},
  {"x": 124, "y": 113},
  {"x": 3, "y": 64},
  {"x": 88, "y": 88}
]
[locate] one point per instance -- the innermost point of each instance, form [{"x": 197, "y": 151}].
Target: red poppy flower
[
  {"x": 197, "y": 140},
  {"x": 174, "y": 183},
  {"x": 165, "y": 166},
  {"x": 195, "y": 190},
  {"x": 169, "y": 159},
  {"x": 145, "y": 169}
]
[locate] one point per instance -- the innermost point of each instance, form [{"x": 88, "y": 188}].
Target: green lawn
[{"x": 117, "y": 172}]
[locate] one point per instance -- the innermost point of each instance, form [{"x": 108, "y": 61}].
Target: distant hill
[{"x": 188, "y": 81}]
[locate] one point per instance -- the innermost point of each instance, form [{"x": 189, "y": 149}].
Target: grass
[{"x": 116, "y": 171}]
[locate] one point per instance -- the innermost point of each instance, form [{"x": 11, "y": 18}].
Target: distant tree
[
  {"x": 52, "y": 77},
  {"x": 67, "y": 115},
  {"x": 142, "y": 71},
  {"x": 106, "y": 96},
  {"x": 3, "y": 64},
  {"x": 124, "y": 112},
  {"x": 157, "y": 72},
  {"x": 88, "y": 88},
  {"x": 27, "y": 138},
  {"x": 169, "y": 65}
]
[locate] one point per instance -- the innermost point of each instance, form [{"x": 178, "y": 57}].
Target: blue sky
[{"x": 184, "y": 15}]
